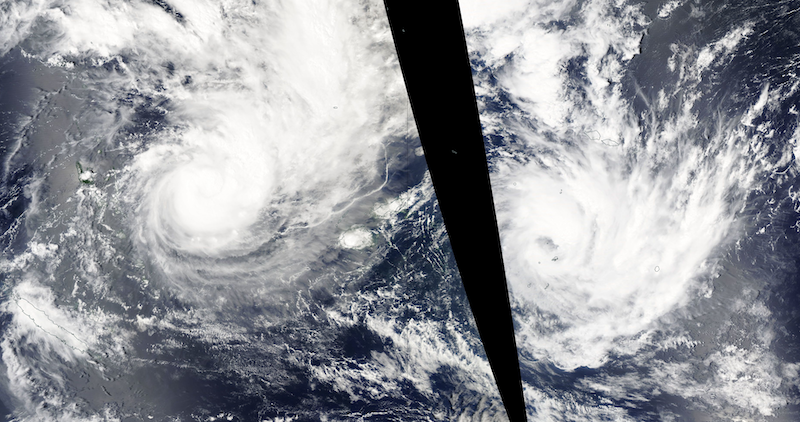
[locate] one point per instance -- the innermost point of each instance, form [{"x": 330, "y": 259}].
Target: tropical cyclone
[{"x": 210, "y": 188}]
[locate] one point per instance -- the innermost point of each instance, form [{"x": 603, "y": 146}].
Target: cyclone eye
[
  {"x": 206, "y": 203},
  {"x": 212, "y": 196},
  {"x": 546, "y": 243}
]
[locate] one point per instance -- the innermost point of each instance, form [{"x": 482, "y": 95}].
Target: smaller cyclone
[{"x": 602, "y": 229}]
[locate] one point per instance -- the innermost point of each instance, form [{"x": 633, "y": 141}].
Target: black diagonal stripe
[{"x": 429, "y": 38}]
